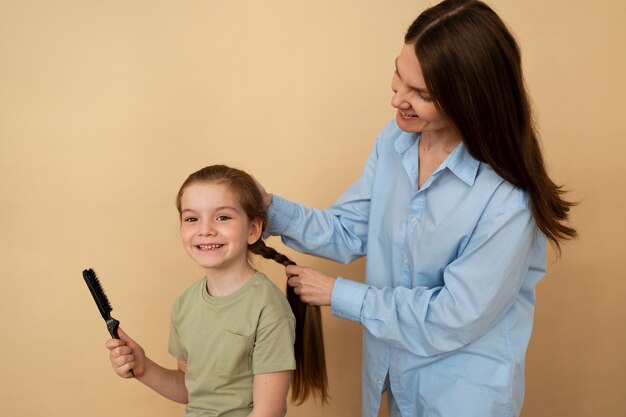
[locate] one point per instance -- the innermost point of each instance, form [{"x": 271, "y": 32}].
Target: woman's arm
[
  {"x": 479, "y": 287},
  {"x": 126, "y": 355},
  {"x": 269, "y": 394},
  {"x": 339, "y": 233}
]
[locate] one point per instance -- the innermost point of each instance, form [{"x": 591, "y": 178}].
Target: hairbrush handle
[{"x": 112, "y": 326}]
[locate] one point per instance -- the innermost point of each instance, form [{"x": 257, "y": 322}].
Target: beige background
[{"x": 105, "y": 107}]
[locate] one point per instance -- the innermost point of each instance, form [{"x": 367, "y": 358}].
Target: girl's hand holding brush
[{"x": 126, "y": 356}]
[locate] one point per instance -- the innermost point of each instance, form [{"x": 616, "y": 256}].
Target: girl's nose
[{"x": 207, "y": 229}]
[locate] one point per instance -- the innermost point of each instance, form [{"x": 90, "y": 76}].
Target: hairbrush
[{"x": 102, "y": 301}]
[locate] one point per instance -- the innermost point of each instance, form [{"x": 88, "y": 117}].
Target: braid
[
  {"x": 267, "y": 252},
  {"x": 310, "y": 374}
]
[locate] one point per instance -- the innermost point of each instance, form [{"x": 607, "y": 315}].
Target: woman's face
[{"x": 416, "y": 112}]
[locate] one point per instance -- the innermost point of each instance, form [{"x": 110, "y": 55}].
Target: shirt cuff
[
  {"x": 346, "y": 301},
  {"x": 279, "y": 215}
]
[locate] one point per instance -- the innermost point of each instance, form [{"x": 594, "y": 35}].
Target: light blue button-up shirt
[{"x": 448, "y": 301}]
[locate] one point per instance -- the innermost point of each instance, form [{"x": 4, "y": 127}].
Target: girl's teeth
[{"x": 209, "y": 247}]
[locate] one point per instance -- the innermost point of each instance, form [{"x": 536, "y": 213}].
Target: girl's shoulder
[
  {"x": 193, "y": 290},
  {"x": 266, "y": 293}
]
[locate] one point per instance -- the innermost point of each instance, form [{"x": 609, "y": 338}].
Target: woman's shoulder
[{"x": 503, "y": 194}]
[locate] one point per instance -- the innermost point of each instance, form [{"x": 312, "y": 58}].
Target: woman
[{"x": 453, "y": 211}]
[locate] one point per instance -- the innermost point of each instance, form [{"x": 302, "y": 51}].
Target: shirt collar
[
  {"x": 405, "y": 141},
  {"x": 459, "y": 162},
  {"x": 462, "y": 164}
]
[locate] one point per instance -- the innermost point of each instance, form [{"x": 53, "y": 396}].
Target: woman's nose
[{"x": 398, "y": 102}]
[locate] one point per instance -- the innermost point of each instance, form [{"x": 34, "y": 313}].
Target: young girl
[{"x": 232, "y": 331}]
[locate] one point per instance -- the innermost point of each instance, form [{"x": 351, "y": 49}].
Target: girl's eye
[
  {"x": 190, "y": 219},
  {"x": 222, "y": 218}
]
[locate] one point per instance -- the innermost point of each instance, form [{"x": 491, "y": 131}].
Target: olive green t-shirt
[{"x": 227, "y": 340}]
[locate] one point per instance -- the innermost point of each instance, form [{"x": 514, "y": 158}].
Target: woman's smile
[{"x": 410, "y": 116}]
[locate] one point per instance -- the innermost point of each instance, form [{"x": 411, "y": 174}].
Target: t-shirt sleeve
[
  {"x": 175, "y": 348},
  {"x": 273, "y": 348}
]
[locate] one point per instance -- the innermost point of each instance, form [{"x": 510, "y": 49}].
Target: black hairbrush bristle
[{"x": 101, "y": 300}]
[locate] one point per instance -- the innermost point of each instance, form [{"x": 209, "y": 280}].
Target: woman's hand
[
  {"x": 267, "y": 197},
  {"x": 314, "y": 287},
  {"x": 126, "y": 355}
]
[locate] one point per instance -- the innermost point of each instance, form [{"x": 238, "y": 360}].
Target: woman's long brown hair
[
  {"x": 309, "y": 378},
  {"x": 472, "y": 68}
]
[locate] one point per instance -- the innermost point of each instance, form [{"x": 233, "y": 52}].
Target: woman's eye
[{"x": 425, "y": 97}]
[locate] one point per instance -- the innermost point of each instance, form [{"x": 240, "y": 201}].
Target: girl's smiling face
[{"x": 215, "y": 231}]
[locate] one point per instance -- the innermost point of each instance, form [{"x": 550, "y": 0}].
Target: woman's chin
[{"x": 408, "y": 124}]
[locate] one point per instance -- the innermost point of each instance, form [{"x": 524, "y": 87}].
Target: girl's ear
[{"x": 256, "y": 229}]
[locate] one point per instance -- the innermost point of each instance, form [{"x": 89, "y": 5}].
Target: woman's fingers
[{"x": 313, "y": 286}]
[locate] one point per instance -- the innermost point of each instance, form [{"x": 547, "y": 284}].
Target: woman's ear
[{"x": 256, "y": 229}]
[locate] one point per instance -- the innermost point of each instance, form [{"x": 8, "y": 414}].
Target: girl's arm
[
  {"x": 269, "y": 394},
  {"x": 126, "y": 354},
  {"x": 170, "y": 383}
]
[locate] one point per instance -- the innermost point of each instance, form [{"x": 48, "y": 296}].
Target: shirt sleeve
[
  {"x": 479, "y": 287},
  {"x": 273, "y": 348},
  {"x": 175, "y": 348},
  {"x": 339, "y": 233}
]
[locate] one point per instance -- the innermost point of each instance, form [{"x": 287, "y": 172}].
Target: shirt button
[
  {"x": 378, "y": 381},
  {"x": 406, "y": 260},
  {"x": 413, "y": 219}
]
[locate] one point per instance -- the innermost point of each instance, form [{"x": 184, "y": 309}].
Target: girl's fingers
[
  {"x": 125, "y": 369},
  {"x": 113, "y": 343},
  {"x": 123, "y": 336},
  {"x": 121, "y": 351},
  {"x": 123, "y": 364},
  {"x": 122, "y": 361},
  {"x": 126, "y": 338}
]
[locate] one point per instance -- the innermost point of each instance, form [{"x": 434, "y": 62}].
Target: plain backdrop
[{"x": 106, "y": 107}]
